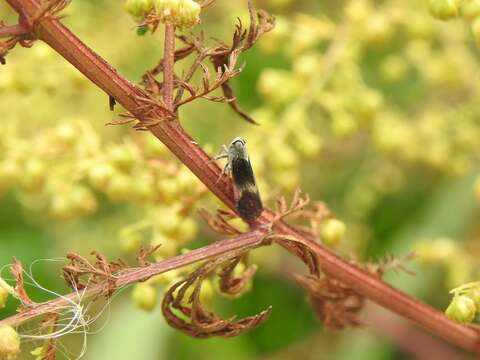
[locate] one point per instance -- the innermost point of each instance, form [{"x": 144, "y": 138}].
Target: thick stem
[
  {"x": 180, "y": 143},
  {"x": 242, "y": 242},
  {"x": 168, "y": 63},
  {"x": 13, "y": 30}
]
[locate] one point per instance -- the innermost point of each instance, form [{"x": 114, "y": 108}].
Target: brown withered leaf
[
  {"x": 221, "y": 56},
  {"x": 80, "y": 271},
  {"x": 17, "y": 271},
  {"x": 196, "y": 320},
  {"x": 219, "y": 222},
  {"x": 231, "y": 285},
  {"x": 335, "y": 304},
  {"x": 145, "y": 253},
  {"x": 390, "y": 263},
  {"x": 283, "y": 209}
]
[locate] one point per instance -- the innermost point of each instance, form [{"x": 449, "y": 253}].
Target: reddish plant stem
[
  {"x": 242, "y": 242},
  {"x": 168, "y": 64},
  {"x": 13, "y": 30},
  {"x": 180, "y": 143}
]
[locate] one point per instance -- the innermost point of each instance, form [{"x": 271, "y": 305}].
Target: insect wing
[{"x": 249, "y": 204}]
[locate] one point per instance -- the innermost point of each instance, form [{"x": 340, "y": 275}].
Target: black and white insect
[{"x": 248, "y": 202}]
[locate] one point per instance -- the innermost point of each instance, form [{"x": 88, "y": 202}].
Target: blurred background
[{"x": 368, "y": 106}]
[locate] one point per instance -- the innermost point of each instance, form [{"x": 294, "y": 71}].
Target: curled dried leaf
[
  {"x": 145, "y": 253},
  {"x": 231, "y": 284},
  {"x": 219, "y": 222},
  {"x": 197, "y": 321},
  {"x": 79, "y": 272},
  {"x": 335, "y": 304},
  {"x": 17, "y": 271}
]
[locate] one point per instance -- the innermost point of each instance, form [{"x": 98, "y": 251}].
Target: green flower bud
[
  {"x": 476, "y": 30},
  {"x": 332, "y": 231},
  {"x": 461, "y": 310},
  {"x": 142, "y": 187},
  {"x": 3, "y": 297},
  {"x": 9, "y": 170},
  {"x": 394, "y": 68},
  {"x": 123, "y": 157},
  {"x": 154, "y": 147},
  {"x": 186, "y": 181},
  {"x": 119, "y": 187},
  {"x": 144, "y": 296},
  {"x": 168, "y": 247},
  {"x": 470, "y": 9},
  {"x": 39, "y": 352},
  {"x": 343, "y": 124},
  {"x": 181, "y": 13},
  {"x": 83, "y": 200},
  {"x": 474, "y": 294},
  {"x": 278, "y": 86},
  {"x": 99, "y": 175},
  {"x": 61, "y": 207},
  {"x": 378, "y": 30},
  {"x": 167, "y": 278},
  {"x": 66, "y": 133},
  {"x": 444, "y": 9},
  {"x": 206, "y": 293},
  {"x": 138, "y": 8},
  {"x": 9, "y": 343},
  {"x": 169, "y": 189},
  {"x": 130, "y": 239},
  {"x": 186, "y": 230},
  {"x": 33, "y": 176},
  {"x": 167, "y": 220}
]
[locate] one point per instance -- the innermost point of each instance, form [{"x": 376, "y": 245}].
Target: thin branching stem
[
  {"x": 243, "y": 242},
  {"x": 182, "y": 145},
  {"x": 168, "y": 63},
  {"x": 12, "y": 30}
]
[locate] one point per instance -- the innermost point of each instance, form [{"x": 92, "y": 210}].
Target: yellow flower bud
[
  {"x": 332, "y": 231},
  {"x": 154, "y": 147},
  {"x": 123, "y": 157},
  {"x": 474, "y": 294},
  {"x": 144, "y": 296},
  {"x": 82, "y": 200},
  {"x": 378, "y": 30},
  {"x": 33, "y": 175},
  {"x": 166, "y": 220},
  {"x": 206, "y": 293},
  {"x": 99, "y": 175},
  {"x": 119, "y": 187},
  {"x": 130, "y": 239},
  {"x": 470, "y": 9},
  {"x": 444, "y": 9},
  {"x": 61, "y": 207},
  {"x": 343, "y": 124},
  {"x": 142, "y": 188},
  {"x": 3, "y": 297},
  {"x": 9, "y": 343},
  {"x": 278, "y": 86},
  {"x": 186, "y": 230},
  {"x": 394, "y": 68},
  {"x": 138, "y": 8},
  {"x": 66, "y": 133},
  {"x": 476, "y": 30},
  {"x": 462, "y": 309},
  {"x": 168, "y": 247},
  {"x": 181, "y": 13},
  {"x": 169, "y": 189}
]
